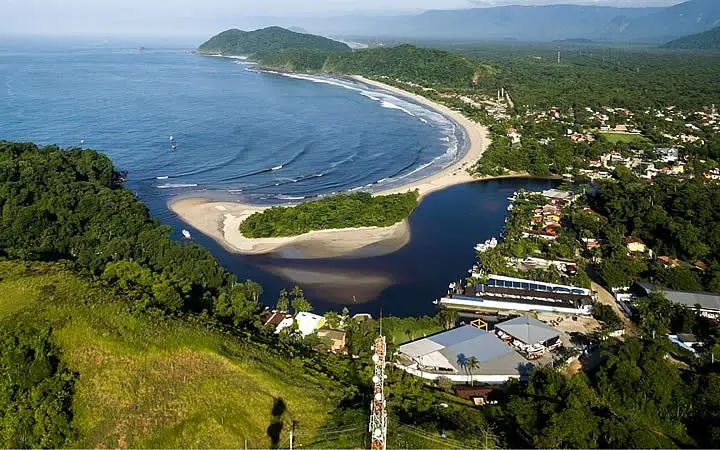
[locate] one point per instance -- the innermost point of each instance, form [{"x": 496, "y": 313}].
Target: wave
[
  {"x": 386, "y": 100},
  {"x": 176, "y": 186},
  {"x": 388, "y": 105},
  {"x": 288, "y": 197}
]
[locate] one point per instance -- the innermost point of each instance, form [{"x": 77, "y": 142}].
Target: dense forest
[
  {"x": 264, "y": 42},
  {"x": 595, "y": 75},
  {"x": 70, "y": 205},
  {"x": 636, "y": 398},
  {"x": 340, "y": 211},
  {"x": 429, "y": 67},
  {"x": 675, "y": 218}
]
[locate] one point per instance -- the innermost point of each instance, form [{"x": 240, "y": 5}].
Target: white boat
[
  {"x": 172, "y": 138},
  {"x": 173, "y": 146},
  {"x": 510, "y": 207},
  {"x": 487, "y": 245},
  {"x": 186, "y": 234},
  {"x": 161, "y": 178}
]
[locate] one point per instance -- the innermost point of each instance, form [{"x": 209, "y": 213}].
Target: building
[
  {"x": 557, "y": 194},
  {"x": 529, "y": 335},
  {"x": 445, "y": 355},
  {"x": 307, "y": 323},
  {"x": 336, "y": 338},
  {"x": 635, "y": 245},
  {"x": 517, "y": 294},
  {"x": 708, "y": 303},
  {"x": 687, "y": 341}
]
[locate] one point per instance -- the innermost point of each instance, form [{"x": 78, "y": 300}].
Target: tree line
[{"x": 360, "y": 209}]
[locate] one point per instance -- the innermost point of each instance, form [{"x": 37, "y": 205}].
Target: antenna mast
[{"x": 378, "y": 412}]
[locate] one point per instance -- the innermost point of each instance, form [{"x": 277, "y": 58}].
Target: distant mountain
[
  {"x": 694, "y": 16},
  {"x": 532, "y": 23},
  {"x": 264, "y": 42},
  {"x": 702, "y": 41}
]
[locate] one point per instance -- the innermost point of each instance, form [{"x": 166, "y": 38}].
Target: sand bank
[{"x": 221, "y": 220}]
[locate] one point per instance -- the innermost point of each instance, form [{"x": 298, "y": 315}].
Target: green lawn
[
  {"x": 614, "y": 138},
  {"x": 159, "y": 382}
]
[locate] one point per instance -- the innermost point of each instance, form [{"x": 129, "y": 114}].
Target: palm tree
[
  {"x": 472, "y": 364},
  {"x": 462, "y": 361}
]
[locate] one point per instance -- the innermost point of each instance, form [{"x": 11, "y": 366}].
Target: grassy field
[
  {"x": 614, "y": 138},
  {"x": 160, "y": 382}
]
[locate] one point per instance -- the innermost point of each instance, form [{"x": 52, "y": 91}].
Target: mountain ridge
[
  {"x": 707, "y": 40},
  {"x": 266, "y": 41}
]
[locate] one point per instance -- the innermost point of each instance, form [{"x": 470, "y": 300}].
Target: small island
[
  {"x": 356, "y": 210},
  {"x": 262, "y": 43}
]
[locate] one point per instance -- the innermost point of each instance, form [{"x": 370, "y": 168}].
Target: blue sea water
[{"x": 265, "y": 139}]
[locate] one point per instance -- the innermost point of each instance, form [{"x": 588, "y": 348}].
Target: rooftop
[
  {"x": 706, "y": 300},
  {"x": 444, "y": 350},
  {"x": 528, "y": 330}
]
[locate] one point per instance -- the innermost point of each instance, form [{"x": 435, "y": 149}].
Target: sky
[{"x": 200, "y": 17}]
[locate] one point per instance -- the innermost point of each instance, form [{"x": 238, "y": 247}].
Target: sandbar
[{"x": 221, "y": 220}]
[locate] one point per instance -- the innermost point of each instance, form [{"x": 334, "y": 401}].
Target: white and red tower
[{"x": 378, "y": 413}]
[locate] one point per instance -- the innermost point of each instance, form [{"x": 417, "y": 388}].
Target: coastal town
[{"x": 528, "y": 301}]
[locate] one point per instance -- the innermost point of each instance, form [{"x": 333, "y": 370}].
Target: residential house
[
  {"x": 336, "y": 338},
  {"x": 635, "y": 245}
]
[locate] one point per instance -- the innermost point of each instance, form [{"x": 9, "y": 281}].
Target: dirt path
[{"x": 607, "y": 298}]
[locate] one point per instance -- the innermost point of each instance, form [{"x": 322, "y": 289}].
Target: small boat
[
  {"x": 510, "y": 207},
  {"x": 173, "y": 146},
  {"x": 162, "y": 178},
  {"x": 487, "y": 245},
  {"x": 172, "y": 138},
  {"x": 186, "y": 234}
]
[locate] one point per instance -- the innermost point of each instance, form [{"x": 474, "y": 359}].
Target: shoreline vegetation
[{"x": 221, "y": 220}]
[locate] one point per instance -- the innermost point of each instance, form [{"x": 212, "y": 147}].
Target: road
[{"x": 607, "y": 298}]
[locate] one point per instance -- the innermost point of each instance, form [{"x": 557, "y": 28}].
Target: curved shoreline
[{"x": 221, "y": 220}]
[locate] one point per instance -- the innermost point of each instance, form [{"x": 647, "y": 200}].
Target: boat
[
  {"x": 186, "y": 234},
  {"x": 487, "y": 245},
  {"x": 510, "y": 207},
  {"x": 172, "y": 138},
  {"x": 173, "y": 146},
  {"x": 162, "y": 178}
]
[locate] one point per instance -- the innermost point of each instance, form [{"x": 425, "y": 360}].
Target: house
[
  {"x": 687, "y": 341},
  {"x": 668, "y": 155},
  {"x": 307, "y": 323},
  {"x": 591, "y": 243},
  {"x": 276, "y": 317},
  {"x": 621, "y": 128},
  {"x": 529, "y": 335},
  {"x": 446, "y": 354},
  {"x": 635, "y": 245},
  {"x": 336, "y": 338}
]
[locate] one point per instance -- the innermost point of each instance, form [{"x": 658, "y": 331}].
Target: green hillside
[
  {"x": 426, "y": 66},
  {"x": 264, "y": 42},
  {"x": 708, "y": 40},
  {"x": 142, "y": 381}
]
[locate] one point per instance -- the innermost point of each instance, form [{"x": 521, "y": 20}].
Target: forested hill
[
  {"x": 426, "y": 66},
  {"x": 709, "y": 40},
  {"x": 264, "y": 42}
]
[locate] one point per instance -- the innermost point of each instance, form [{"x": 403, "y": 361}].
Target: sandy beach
[{"x": 221, "y": 220}]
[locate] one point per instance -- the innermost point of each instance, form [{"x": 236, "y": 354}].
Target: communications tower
[{"x": 378, "y": 413}]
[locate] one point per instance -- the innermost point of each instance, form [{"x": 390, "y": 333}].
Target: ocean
[{"x": 187, "y": 125}]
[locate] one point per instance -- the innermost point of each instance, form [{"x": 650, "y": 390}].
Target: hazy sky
[{"x": 198, "y": 17}]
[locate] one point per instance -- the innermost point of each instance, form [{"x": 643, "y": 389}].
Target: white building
[{"x": 446, "y": 355}]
